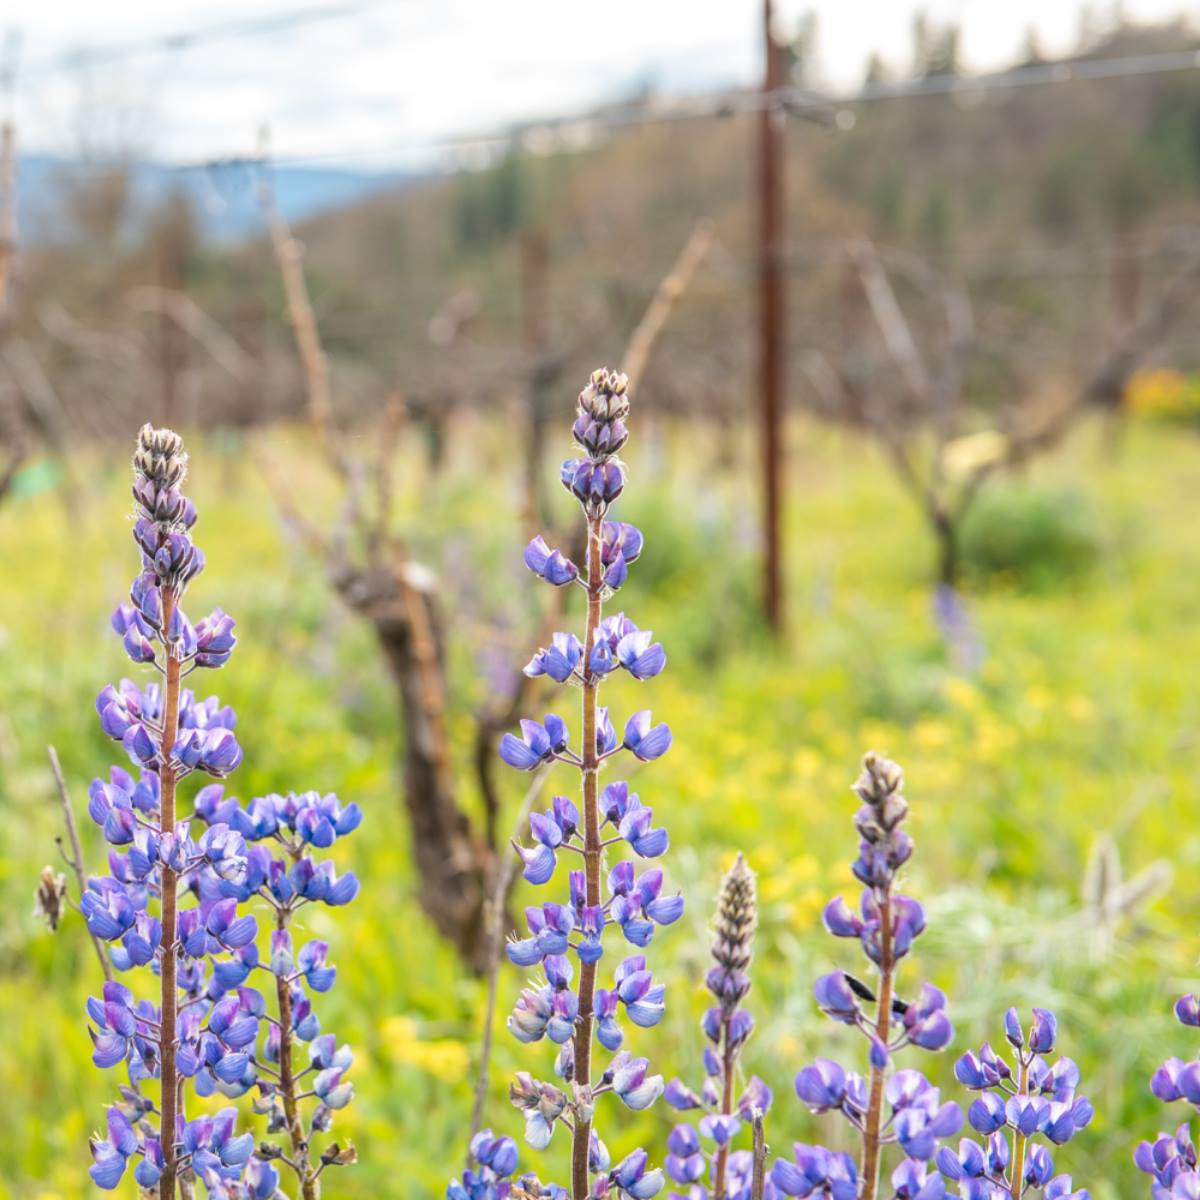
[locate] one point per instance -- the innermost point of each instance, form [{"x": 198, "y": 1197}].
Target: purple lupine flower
[
  {"x": 620, "y": 643},
  {"x": 837, "y": 999},
  {"x": 175, "y": 901},
  {"x": 1171, "y": 1160},
  {"x": 548, "y": 564},
  {"x": 817, "y": 1172},
  {"x": 630, "y": 1079},
  {"x": 497, "y": 1161},
  {"x": 560, "y": 661},
  {"x": 215, "y": 639},
  {"x": 551, "y": 1009},
  {"x": 549, "y": 927},
  {"x": 637, "y": 905},
  {"x": 637, "y": 991},
  {"x": 886, "y": 1106},
  {"x": 919, "y": 1118},
  {"x": 594, "y": 484},
  {"x": 111, "y": 1156},
  {"x": 538, "y": 744},
  {"x": 925, "y": 1021},
  {"x": 631, "y": 1178},
  {"x": 620, "y": 540},
  {"x": 646, "y": 741},
  {"x": 823, "y": 1085},
  {"x": 1016, "y": 1106},
  {"x": 644, "y": 840}
]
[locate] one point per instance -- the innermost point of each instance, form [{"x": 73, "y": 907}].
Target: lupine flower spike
[
  {"x": 210, "y": 1027},
  {"x": 1171, "y": 1160},
  {"x": 702, "y": 1159},
  {"x": 566, "y": 940},
  {"x": 885, "y": 1106},
  {"x": 1017, "y": 1105}
]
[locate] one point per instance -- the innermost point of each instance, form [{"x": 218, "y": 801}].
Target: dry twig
[
  {"x": 18, "y": 445},
  {"x": 670, "y": 289},
  {"x": 289, "y": 253},
  {"x": 75, "y": 859},
  {"x": 496, "y": 914},
  {"x": 758, "y": 1178},
  {"x": 221, "y": 345}
]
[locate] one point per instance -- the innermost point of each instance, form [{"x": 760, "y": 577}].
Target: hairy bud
[
  {"x": 50, "y": 898},
  {"x": 737, "y": 917},
  {"x": 160, "y": 456}
]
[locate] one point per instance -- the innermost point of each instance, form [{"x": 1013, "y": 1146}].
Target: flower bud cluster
[{"x": 599, "y": 429}]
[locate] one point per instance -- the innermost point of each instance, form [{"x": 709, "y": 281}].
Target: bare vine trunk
[
  {"x": 455, "y": 867},
  {"x": 946, "y": 532}
]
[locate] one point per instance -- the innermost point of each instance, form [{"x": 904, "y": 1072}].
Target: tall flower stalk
[
  {"x": 550, "y": 1008},
  {"x": 207, "y": 1026},
  {"x": 886, "y": 1107},
  {"x": 727, "y": 1026}
]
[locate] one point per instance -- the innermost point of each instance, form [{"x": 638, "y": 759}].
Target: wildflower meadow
[{"x": 1019, "y": 900}]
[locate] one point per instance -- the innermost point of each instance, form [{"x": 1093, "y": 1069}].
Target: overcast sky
[{"x": 377, "y": 79}]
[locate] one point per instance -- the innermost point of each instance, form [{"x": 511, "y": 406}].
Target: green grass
[{"x": 1083, "y": 720}]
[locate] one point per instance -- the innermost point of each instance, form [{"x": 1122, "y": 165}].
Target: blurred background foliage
[
  {"x": 1072, "y": 744},
  {"x": 1059, "y": 211}
]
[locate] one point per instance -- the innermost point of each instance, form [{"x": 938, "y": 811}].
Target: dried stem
[
  {"x": 758, "y": 1178},
  {"x": 496, "y": 920},
  {"x": 8, "y": 209},
  {"x": 395, "y": 414},
  {"x": 873, "y": 1122},
  {"x": 276, "y": 479},
  {"x": 592, "y": 855},
  {"x": 430, "y": 676},
  {"x": 43, "y": 407},
  {"x": 889, "y": 316},
  {"x": 670, "y": 288},
  {"x": 16, "y": 456},
  {"x": 169, "y": 1096},
  {"x": 290, "y": 254},
  {"x": 75, "y": 862},
  {"x": 300, "y": 1161},
  {"x": 222, "y": 347},
  {"x": 728, "y": 1061},
  {"x": 8, "y": 244}
]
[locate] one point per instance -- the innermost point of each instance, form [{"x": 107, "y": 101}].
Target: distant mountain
[{"x": 222, "y": 194}]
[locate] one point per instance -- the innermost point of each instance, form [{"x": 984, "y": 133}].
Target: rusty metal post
[{"x": 771, "y": 317}]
